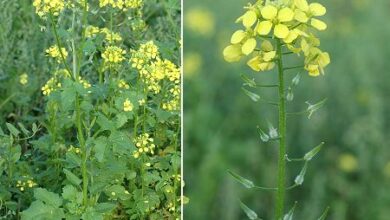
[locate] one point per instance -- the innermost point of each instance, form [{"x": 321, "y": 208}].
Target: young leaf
[
  {"x": 313, "y": 108},
  {"x": 300, "y": 178},
  {"x": 324, "y": 215},
  {"x": 248, "y": 82},
  {"x": 245, "y": 182},
  {"x": 251, "y": 95},
  {"x": 14, "y": 131},
  {"x": 289, "y": 215},
  {"x": 24, "y": 130},
  {"x": 72, "y": 177},
  {"x": 49, "y": 198},
  {"x": 309, "y": 155},
  {"x": 34, "y": 128},
  {"x": 249, "y": 212}
]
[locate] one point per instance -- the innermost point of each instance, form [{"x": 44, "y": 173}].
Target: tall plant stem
[{"x": 282, "y": 133}]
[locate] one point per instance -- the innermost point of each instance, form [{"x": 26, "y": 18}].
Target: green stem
[{"x": 282, "y": 135}]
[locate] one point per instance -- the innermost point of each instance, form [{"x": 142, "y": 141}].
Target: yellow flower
[
  {"x": 123, "y": 85},
  {"x": 91, "y": 31},
  {"x": 23, "y": 79},
  {"x": 305, "y": 13},
  {"x": 348, "y": 163},
  {"x": 192, "y": 63},
  {"x": 111, "y": 37},
  {"x": 141, "y": 102},
  {"x": 263, "y": 60},
  {"x": 128, "y": 106},
  {"x": 56, "y": 53},
  {"x": 200, "y": 21},
  {"x": 276, "y": 18},
  {"x": 113, "y": 54},
  {"x": 85, "y": 83},
  {"x": 316, "y": 61},
  {"x": 149, "y": 49},
  {"x": 51, "y": 85},
  {"x": 44, "y": 7},
  {"x": 145, "y": 144}
]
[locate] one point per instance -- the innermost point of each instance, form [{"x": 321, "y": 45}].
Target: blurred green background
[{"x": 352, "y": 172}]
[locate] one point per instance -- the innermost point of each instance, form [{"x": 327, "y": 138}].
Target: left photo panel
[{"x": 90, "y": 105}]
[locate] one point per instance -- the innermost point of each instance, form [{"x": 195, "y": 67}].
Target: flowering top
[
  {"x": 47, "y": 7},
  {"x": 113, "y": 55},
  {"x": 121, "y": 4},
  {"x": 291, "y": 22},
  {"x": 56, "y": 53}
]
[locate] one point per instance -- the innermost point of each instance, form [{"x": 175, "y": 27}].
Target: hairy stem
[{"x": 282, "y": 133}]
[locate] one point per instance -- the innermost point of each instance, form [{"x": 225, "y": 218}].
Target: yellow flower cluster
[
  {"x": 123, "y": 85},
  {"x": 56, "y": 53},
  {"x": 149, "y": 49},
  {"x": 121, "y": 4},
  {"x": 23, "y": 79},
  {"x": 22, "y": 185},
  {"x": 91, "y": 31},
  {"x": 113, "y": 55},
  {"x": 174, "y": 103},
  {"x": 85, "y": 83},
  {"x": 74, "y": 149},
  {"x": 145, "y": 144},
  {"x": 51, "y": 85},
  {"x": 45, "y": 7},
  {"x": 110, "y": 36},
  {"x": 290, "y": 22},
  {"x": 128, "y": 106}
]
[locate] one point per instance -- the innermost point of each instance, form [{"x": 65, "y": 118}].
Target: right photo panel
[{"x": 286, "y": 112}]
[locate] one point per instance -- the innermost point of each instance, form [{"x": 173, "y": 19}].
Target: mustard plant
[
  {"x": 274, "y": 31},
  {"x": 108, "y": 147}
]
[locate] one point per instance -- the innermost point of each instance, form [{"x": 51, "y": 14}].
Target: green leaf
[
  {"x": 91, "y": 214},
  {"x": 40, "y": 211},
  {"x": 121, "y": 120},
  {"x": 121, "y": 143},
  {"x": 14, "y": 131},
  {"x": 100, "y": 148},
  {"x": 104, "y": 207},
  {"x": 313, "y": 108},
  {"x": 301, "y": 176},
  {"x": 309, "y": 155},
  {"x": 247, "y": 81},
  {"x": 49, "y": 198},
  {"x": 68, "y": 97},
  {"x": 72, "y": 178},
  {"x": 24, "y": 130},
  {"x": 289, "y": 215},
  {"x": 325, "y": 214},
  {"x": 245, "y": 182},
  {"x": 71, "y": 194},
  {"x": 251, "y": 95},
  {"x": 15, "y": 153},
  {"x": 104, "y": 123},
  {"x": 249, "y": 212},
  {"x": 34, "y": 128}
]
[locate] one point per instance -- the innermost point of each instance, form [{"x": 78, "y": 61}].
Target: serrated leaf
[
  {"x": 72, "y": 177},
  {"x": 245, "y": 182},
  {"x": 11, "y": 128},
  {"x": 254, "y": 97},
  {"x": 290, "y": 214},
  {"x": 313, "y": 108},
  {"x": 309, "y": 155},
  {"x": 40, "y": 211},
  {"x": 105, "y": 207},
  {"x": 301, "y": 176},
  {"x": 325, "y": 214},
  {"x": 247, "y": 81},
  {"x": 249, "y": 212},
  {"x": 49, "y": 198},
  {"x": 100, "y": 148}
]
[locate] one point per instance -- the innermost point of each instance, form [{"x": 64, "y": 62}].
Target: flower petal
[
  {"x": 300, "y": 16},
  {"x": 268, "y": 56},
  {"x": 238, "y": 36},
  {"x": 281, "y": 31},
  {"x": 266, "y": 46},
  {"x": 318, "y": 24},
  {"x": 302, "y": 4},
  {"x": 313, "y": 70},
  {"x": 249, "y": 18},
  {"x": 249, "y": 46},
  {"x": 264, "y": 27},
  {"x": 254, "y": 63},
  {"x": 232, "y": 53},
  {"x": 269, "y": 12},
  {"x": 291, "y": 36},
  {"x": 317, "y": 9},
  {"x": 285, "y": 15}
]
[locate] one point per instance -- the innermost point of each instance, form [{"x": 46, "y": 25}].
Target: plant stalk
[{"x": 282, "y": 133}]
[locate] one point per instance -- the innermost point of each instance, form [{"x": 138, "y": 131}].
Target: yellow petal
[
  {"x": 232, "y": 53},
  {"x": 269, "y": 12},
  {"x": 249, "y": 18},
  {"x": 237, "y": 37},
  {"x": 264, "y": 27},
  {"x": 291, "y": 36},
  {"x": 268, "y": 56},
  {"x": 302, "y": 4},
  {"x": 317, "y": 9},
  {"x": 323, "y": 60},
  {"x": 266, "y": 66},
  {"x": 249, "y": 46},
  {"x": 281, "y": 31},
  {"x": 305, "y": 47},
  {"x": 313, "y": 70},
  {"x": 318, "y": 24},
  {"x": 285, "y": 15},
  {"x": 267, "y": 46},
  {"x": 300, "y": 16},
  {"x": 254, "y": 63}
]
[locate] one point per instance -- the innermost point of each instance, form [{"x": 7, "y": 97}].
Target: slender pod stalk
[{"x": 282, "y": 133}]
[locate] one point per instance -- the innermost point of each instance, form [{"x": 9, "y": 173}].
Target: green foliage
[{"x": 68, "y": 144}]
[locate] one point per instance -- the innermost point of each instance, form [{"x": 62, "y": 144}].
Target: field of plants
[
  {"x": 90, "y": 99},
  {"x": 351, "y": 172}
]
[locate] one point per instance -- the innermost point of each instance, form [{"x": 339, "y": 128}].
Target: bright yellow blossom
[
  {"x": 305, "y": 13},
  {"x": 56, "y": 53},
  {"x": 128, "y": 106},
  {"x": 45, "y": 7},
  {"x": 276, "y": 18},
  {"x": 23, "y": 79},
  {"x": 263, "y": 60},
  {"x": 145, "y": 144},
  {"x": 113, "y": 54}
]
